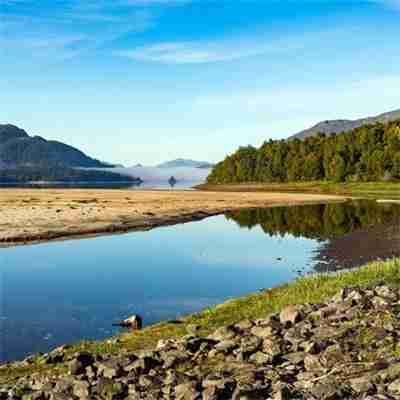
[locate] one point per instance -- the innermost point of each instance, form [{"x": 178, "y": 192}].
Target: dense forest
[
  {"x": 367, "y": 153},
  {"x": 60, "y": 174}
]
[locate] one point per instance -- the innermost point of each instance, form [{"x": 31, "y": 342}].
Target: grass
[
  {"x": 365, "y": 189},
  {"x": 312, "y": 289}
]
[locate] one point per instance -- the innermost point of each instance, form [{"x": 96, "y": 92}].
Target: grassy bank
[
  {"x": 312, "y": 289},
  {"x": 365, "y": 189}
]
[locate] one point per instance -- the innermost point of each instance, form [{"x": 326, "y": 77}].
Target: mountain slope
[
  {"x": 18, "y": 149},
  {"x": 344, "y": 125}
]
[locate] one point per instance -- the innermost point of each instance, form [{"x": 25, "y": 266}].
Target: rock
[
  {"x": 187, "y": 391},
  {"x": 110, "y": 369},
  {"x": 260, "y": 358},
  {"x": 313, "y": 363},
  {"x": 250, "y": 392},
  {"x": 224, "y": 333},
  {"x": 134, "y": 322},
  {"x": 272, "y": 346},
  {"x": 295, "y": 358},
  {"x": 262, "y": 331},
  {"x": 250, "y": 343},
  {"x": 290, "y": 314},
  {"x": 328, "y": 391},
  {"x": 308, "y": 352},
  {"x": 226, "y": 346},
  {"x": 283, "y": 392},
  {"x": 244, "y": 325},
  {"x": 362, "y": 384},
  {"x": 78, "y": 365},
  {"x": 81, "y": 389},
  {"x": 386, "y": 293},
  {"x": 142, "y": 365},
  {"x": 165, "y": 344},
  {"x": 394, "y": 387}
]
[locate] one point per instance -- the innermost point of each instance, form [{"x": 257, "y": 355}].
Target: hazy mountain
[
  {"x": 156, "y": 174},
  {"x": 343, "y": 125},
  {"x": 18, "y": 149},
  {"x": 181, "y": 162}
]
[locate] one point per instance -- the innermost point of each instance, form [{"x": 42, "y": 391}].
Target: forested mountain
[
  {"x": 25, "y": 158},
  {"x": 18, "y": 149},
  {"x": 344, "y": 125},
  {"x": 367, "y": 153}
]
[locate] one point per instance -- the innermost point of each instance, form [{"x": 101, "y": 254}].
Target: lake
[
  {"x": 146, "y": 185},
  {"x": 62, "y": 292}
]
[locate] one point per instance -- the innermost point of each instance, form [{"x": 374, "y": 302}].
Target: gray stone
[{"x": 291, "y": 314}]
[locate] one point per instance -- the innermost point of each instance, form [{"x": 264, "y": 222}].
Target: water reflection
[
  {"x": 62, "y": 292},
  {"x": 354, "y": 232}
]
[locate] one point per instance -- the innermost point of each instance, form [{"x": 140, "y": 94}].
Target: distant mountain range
[
  {"x": 185, "y": 163},
  {"x": 18, "y": 149},
  {"x": 344, "y": 125}
]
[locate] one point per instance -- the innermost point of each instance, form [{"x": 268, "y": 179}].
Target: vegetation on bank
[
  {"x": 311, "y": 289},
  {"x": 364, "y": 189},
  {"x": 367, "y": 153}
]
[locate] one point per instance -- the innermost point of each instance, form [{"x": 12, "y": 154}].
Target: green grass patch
[
  {"x": 310, "y": 289},
  {"x": 365, "y": 189}
]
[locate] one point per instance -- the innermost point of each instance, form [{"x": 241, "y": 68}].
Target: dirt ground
[{"x": 35, "y": 215}]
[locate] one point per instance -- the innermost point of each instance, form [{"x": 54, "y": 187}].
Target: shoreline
[
  {"x": 31, "y": 216},
  {"x": 379, "y": 189},
  {"x": 304, "y": 291}
]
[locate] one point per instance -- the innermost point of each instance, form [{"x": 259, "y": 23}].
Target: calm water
[
  {"x": 159, "y": 185},
  {"x": 66, "y": 291}
]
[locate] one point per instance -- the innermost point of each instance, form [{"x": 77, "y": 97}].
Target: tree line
[
  {"x": 61, "y": 174},
  {"x": 367, "y": 153}
]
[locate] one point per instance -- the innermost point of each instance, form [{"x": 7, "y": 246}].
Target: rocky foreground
[{"x": 347, "y": 348}]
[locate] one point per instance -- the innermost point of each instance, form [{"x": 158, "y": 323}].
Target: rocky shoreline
[{"x": 345, "y": 348}]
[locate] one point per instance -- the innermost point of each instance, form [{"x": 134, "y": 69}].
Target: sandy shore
[{"x": 36, "y": 215}]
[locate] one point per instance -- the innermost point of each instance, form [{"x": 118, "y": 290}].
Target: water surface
[{"x": 62, "y": 292}]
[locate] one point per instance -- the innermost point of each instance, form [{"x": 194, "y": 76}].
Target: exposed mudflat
[
  {"x": 367, "y": 244},
  {"x": 36, "y": 215}
]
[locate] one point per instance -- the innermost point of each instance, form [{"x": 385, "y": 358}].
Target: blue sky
[{"x": 148, "y": 80}]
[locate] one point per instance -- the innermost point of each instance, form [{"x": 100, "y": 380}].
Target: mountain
[
  {"x": 344, "y": 125},
  {"x": 181, "y": 162},
  {"x": 18, "y": 149},
  {"x": 25, "y": 158}
]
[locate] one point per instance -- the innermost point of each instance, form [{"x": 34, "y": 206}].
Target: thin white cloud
[
  {"x": 68, "y": 31},
  {"x": 207, "y": 52}
]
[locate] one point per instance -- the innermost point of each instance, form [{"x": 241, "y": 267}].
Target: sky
[{"x": 144, "y": 81}]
